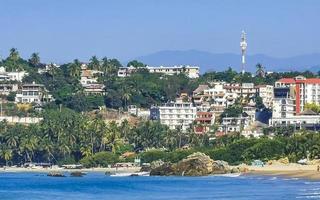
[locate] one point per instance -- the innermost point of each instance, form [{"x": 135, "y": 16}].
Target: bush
[
  {"x": 153, "y": 155},
  {"x": 177, "y": 155},
  {"x": 101, "y": 159},
  {"x": 265, "y": 149}
]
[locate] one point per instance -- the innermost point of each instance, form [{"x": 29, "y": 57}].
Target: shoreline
[
  {"x": 308, "y": 172},
  {"x": 47, "y": 170}
]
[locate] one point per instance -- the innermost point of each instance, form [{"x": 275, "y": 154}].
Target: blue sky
[{"x": 62, "y": 30}]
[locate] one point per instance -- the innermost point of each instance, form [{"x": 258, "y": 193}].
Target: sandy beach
[
  {"x": 47, "y": 170},
  {"x": 287, "y": 170}
]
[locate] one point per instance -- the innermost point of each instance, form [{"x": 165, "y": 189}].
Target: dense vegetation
[
  {"x": 142, "y": 88},
  {"x": 70, "y": 137}
]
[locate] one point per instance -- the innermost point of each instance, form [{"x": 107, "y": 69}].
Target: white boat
[{"x": 131, "y": 174}]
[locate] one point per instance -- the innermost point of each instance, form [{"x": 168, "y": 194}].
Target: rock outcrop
[
  {"x": 196, "y": 164},
  {"x": 77, "y": 174},
  {"x": 56, "y": 174},
  {"x": 281, "y": 161}
]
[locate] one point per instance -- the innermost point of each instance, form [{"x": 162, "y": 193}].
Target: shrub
[{"x": 101, "y": 159}]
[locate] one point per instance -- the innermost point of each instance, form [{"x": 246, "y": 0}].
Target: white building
[
  {"x": 266, "y": 93},
  {"x": 190, "y": 71},
  {"x": 178, "y": 115},
  {"x": 88, "y": 77},
  {"x": 32, "y": 93},
  {"x": 234, "y": 124},
  {"x": 11, "y": 76},
  {"x": 306, "y": 119},
  {"x": 47, "y": 68}
]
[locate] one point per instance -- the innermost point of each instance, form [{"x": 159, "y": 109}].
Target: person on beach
[{"x": 318, "y": 168}]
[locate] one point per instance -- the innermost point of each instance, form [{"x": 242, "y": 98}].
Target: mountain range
[{"x": 221, "y": 61}]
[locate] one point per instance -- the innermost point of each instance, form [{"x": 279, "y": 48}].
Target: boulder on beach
[
  {"x": 165, "y": 169},
  {"x": 242, "y": 168},
  {"x": 196, "y": 164},
  {"x": 281, "y": 161}
]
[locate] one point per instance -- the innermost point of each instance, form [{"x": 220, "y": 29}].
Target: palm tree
[
  {"x": 126, "y": 95},
  {"x": 5, "y": 153},
  {"x": 94, "y": 63},
  {"x": 34, "y": 59},
  {"x": 170, "y": 139},
  {"x": 260, "y": 70},
  {"x": 14, "y": 54},
  {"x": 75, "y": 68},
  {"x": 112, "y": 137},
  {"x": 13, "y": 60}
]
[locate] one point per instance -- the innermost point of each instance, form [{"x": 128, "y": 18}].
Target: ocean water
[{"x": 97, "y": 186}]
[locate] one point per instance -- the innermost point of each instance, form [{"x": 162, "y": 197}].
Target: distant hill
[{"x": 217, "y": 62}]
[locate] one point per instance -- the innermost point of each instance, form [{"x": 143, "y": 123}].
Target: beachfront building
[
  {"x": 283, "y": 103},
  {"x": 304, "y": 120},
  {"x": 178, "y": 115},
  {"x": 190, "y": 71},
  {"x": 32, "y": 93},
  {"x": 303, "y": 90}
]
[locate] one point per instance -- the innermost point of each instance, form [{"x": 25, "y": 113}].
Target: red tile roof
[
  {"x": 287, "y": 80},
  {"x": 292, "y": 80}
]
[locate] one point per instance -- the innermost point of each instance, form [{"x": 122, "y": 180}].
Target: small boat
[{"x": 131, "y": 174}]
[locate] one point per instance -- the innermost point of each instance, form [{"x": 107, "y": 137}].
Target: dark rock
[
  {"x": 56, "y": 174},
  {"x": 196, "y": 164},
  {"x": 77, "y": 174},
  {"x": 166, "y": 169}
]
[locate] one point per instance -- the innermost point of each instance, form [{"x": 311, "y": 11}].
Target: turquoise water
[{"x": 97, "y": 186}]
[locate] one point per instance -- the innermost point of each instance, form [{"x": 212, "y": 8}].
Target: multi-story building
[
  {"x": 87, "y": 77},
  {"x": 32, "y": 93},
  {"x": 304, "y": 90},
  {"x": 204, "y": 121},
  {"x": 266, "y": 93},
  {"x": 234, "y": 124},
  {"x": 304, "y": 120},
  {"x": 283, "y": 103},
  {"x": 178, "y": 115},
  {"x": 198, "y": 96},
  {"x": 190, "y": 71},
  {"x": 11, "y": 76},
  {"x": 94, "y": 89}
]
